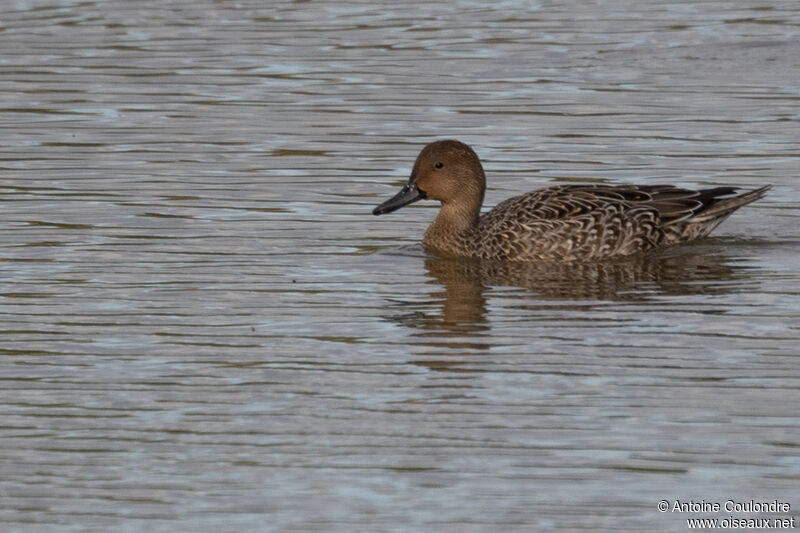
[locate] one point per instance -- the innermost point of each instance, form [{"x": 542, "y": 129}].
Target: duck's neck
[{"x": 446, "y": 233}]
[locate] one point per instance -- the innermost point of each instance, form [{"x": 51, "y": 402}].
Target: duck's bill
[{"x": 407, "y": 195}]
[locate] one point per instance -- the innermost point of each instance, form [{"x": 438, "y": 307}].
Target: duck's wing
[
  {"x": 570, "y": 222},
  {"x": 684, "y": 214},
  {"x": 673, "y": 204},
  {"x": 598, "y": 221}
]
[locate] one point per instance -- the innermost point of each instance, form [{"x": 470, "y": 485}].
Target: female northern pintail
[{"x": 560, "y": 223}]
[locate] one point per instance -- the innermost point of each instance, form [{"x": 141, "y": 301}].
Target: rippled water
[{"x": 203, "y": 328}]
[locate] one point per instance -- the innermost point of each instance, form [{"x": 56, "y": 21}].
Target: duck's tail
[
  {"x": 720, "y": 208},
  {"x": 714, "y": 211}
]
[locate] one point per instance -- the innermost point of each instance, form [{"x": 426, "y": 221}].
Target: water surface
[{"x": 203, "y": 328}]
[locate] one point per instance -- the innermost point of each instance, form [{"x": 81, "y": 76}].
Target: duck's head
[{"x": 448, "y": 171}]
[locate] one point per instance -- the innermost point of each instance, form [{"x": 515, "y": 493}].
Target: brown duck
[{"x": 560, "y": 223}]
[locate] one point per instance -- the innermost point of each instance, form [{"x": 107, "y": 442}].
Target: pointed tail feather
[
  {"x": 720, "y": 208},
  {"x": 714, "y": 211}
]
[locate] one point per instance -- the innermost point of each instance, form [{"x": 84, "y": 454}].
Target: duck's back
[{"x": 588, "y": 222}]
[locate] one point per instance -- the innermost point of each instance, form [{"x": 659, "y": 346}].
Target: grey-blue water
[{"x": 204, "y": 329}]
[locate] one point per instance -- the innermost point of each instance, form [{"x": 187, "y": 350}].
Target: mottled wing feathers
[
  {"x": 569, "y": 222},
  {"x": 598, "y": 221}
]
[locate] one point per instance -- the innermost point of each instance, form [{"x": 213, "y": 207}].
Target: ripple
[{"x": 204, "y": 328}]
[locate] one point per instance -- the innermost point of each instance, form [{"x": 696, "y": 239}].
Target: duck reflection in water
[{"x": 466, "y": 283}]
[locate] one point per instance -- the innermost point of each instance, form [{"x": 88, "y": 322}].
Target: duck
[{"x": 557, "y": 223}]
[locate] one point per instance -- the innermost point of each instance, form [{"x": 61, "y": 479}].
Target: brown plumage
[{"x": 560, "y": 223}]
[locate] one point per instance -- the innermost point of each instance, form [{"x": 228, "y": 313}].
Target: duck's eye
[{"x": 439, "y": 165}]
